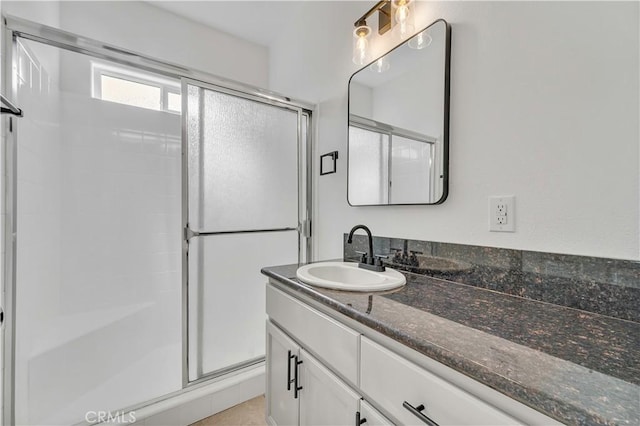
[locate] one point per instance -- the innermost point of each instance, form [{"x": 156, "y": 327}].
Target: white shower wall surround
[
  {"x": 98, "y": 323},
  {"x": 103, "y": 306}
]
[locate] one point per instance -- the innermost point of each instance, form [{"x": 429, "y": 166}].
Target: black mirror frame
[{"x": 445, "y": 132}]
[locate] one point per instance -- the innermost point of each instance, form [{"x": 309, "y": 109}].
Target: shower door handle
[
  {"x": 11, "y": 108},
  {"x": 304, "y": 228},
  {"x": 188, "y": 233}
]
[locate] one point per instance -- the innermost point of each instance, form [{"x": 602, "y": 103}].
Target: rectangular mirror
[{"x": 398, "y": 145}]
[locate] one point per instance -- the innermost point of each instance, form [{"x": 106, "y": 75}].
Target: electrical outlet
[{"x": 502, "y": 216}]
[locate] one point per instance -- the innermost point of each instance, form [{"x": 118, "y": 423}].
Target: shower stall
[{"x": 142, "y": 198}]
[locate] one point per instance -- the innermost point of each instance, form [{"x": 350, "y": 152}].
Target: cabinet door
[
  {"x": 324, "y": 398},
  {"x": 282, "y": 407},
  {"x": 371, "y": 417}
]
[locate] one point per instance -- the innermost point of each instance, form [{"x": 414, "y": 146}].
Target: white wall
[
  {"x": 142, "y": 27},
  {"x": 544, "y": 106},
  {"x": 44, "y": 12}
]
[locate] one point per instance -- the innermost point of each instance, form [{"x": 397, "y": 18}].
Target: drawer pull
[
  {"x": 359, "y": 421},
  {"x": 296, "y": 388},
  {"x": 289, "y": 380},
  {"x": 417, "y": 411}
]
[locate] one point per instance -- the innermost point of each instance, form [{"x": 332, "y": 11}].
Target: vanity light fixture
[
  {"x": 362, "y": 31},
  {"x": 398, "y": 14},
  {"x": 361, "y": 43}
]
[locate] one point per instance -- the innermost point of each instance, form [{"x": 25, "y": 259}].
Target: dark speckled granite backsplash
[{"x": 604, "y": 286}]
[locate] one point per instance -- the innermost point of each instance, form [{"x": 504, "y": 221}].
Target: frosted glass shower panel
[
  {"x": 243, "y": 163},
  {"x": 227, "y": 296}
]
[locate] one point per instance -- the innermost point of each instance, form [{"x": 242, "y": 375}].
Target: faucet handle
[
  {"x": 379, "y": 257},
  {"x": 378, "y": 260},
  {"x": 363, "y": 256}
]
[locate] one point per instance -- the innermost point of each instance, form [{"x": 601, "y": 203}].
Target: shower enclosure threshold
[{"x": 203, "y": 399}]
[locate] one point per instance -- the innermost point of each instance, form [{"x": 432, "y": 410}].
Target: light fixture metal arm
[{"x": 384, "y": 16}]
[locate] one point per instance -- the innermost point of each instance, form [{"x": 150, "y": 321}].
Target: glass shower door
[
  {"x": 244, "y": 203},
  {"x": 97, "y": 308}
]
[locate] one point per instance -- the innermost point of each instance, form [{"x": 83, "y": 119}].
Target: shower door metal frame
[
  {"x": 14, "y": 28},
  {"x": 304, "y": 215},
  {"x": 10, "y": 88}
]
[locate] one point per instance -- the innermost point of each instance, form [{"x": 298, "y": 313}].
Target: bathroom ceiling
[{"x": 256, "y": 21}]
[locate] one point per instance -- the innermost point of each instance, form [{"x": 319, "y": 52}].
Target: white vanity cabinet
[
  {"x": 282, "y": 352},
  {"x": 323, "y": 372},
  {"x": 334, "y": 343},
  {"x": 300, "y": 390},
  {"x": 324, "y": 398}
]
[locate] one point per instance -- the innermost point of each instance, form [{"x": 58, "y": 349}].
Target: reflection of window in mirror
[
  {"x": 390, "y": 166},
  {"x": 411, "y": 171},
  {"x": 368, "y": 167}
]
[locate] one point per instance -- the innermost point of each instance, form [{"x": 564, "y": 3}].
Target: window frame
[
  {"x": 166, "y": 86},
  {"x": 165, "y": 98}
]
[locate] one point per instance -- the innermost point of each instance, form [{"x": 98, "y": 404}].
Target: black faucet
[{"x": 368, "y": 261}]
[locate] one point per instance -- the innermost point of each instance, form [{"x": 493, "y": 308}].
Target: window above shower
[{"x": 135, "y": 88}]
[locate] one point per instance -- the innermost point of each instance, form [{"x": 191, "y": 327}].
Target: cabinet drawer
[
  {"x": 331, "y": 341},
  {"x": 390, "y": 380}
]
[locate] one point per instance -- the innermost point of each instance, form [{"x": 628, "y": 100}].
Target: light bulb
[
  {"x": 402, "y": 14},
  {"x": 361, "y": 45},
  {"x": 381, "y": 65},
  {"x": 404, "y": 18},
  {"x": 360, "y": 54},
  {"x": 420, "y": 41}
]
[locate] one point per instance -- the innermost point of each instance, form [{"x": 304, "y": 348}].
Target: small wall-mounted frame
[{"x": 328, "y": 163}]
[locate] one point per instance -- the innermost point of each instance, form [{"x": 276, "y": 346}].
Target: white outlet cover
[{"x": 499, "y": 220}]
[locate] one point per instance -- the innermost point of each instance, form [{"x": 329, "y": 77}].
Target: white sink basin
[{"x": 347, "y": 276}]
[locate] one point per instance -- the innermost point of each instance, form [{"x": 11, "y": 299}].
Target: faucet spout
[
  {"x": 370, "y": 261},
  {"x": 365, "y": 229}
]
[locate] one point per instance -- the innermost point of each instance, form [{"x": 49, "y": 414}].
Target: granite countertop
[{"x": 575, "y": 366}]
